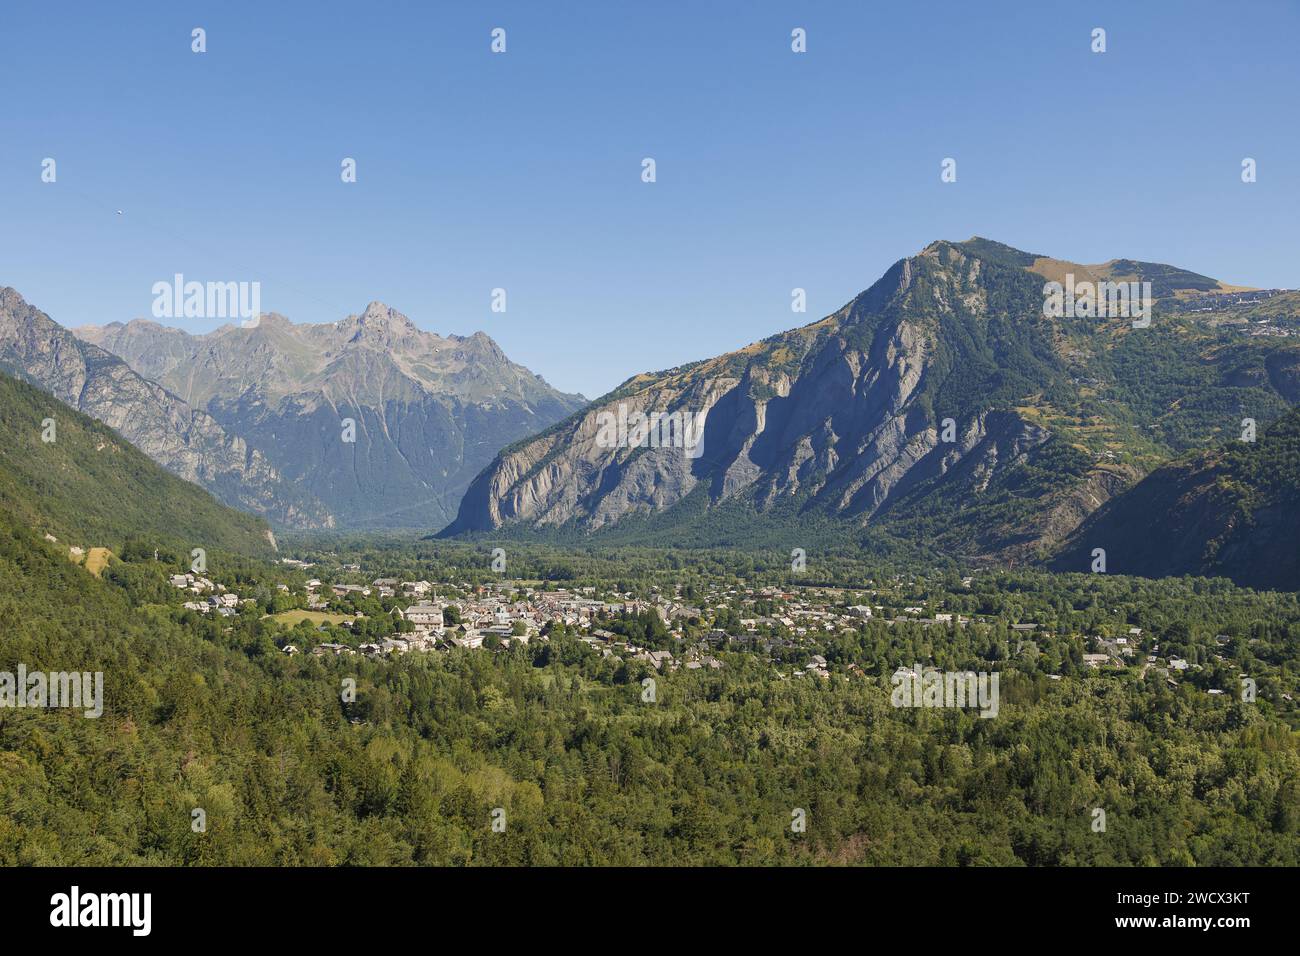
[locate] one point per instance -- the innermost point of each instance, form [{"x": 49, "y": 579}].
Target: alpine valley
[
  {"x": 942, "y": 414},
  {"x": 487, "y": 694}
]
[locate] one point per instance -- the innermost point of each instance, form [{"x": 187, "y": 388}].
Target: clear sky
[{"x": 522, "y": 170}]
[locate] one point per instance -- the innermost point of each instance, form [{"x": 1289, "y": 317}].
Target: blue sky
[{"x": 522, "y": 170}]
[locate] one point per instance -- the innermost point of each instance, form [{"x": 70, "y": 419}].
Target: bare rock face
[
  {"x": 188, "y": 442},
  {"x": 427, "y": 411},
  {"x": 945, "y": 407},
  {"x": 838, "y": 414}
]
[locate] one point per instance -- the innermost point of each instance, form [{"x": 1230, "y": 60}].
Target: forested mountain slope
[
  {"x": 186, "y": 441},
  {"x": 1233, "y": 512},
  {"x": 89, "y": 487}
]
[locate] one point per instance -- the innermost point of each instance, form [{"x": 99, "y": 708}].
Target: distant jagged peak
[
  {"x": 378, "y": 324},
  {"x": 384, "y": 316},
  {"x": 135, "y": 327}
]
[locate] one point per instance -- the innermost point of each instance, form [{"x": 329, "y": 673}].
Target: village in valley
[
  {"x": 800, "y": 630},
  {"x": 495, "y": 615}
]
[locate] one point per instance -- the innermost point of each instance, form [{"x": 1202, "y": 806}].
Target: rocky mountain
[
  {"x": 948, "y": 408},
  {"x": 383, "y": 422},
  {"x": 186, "y": 441},
  {"x": 89, "y": 487},
  {"x": 1232, "y": 512}
]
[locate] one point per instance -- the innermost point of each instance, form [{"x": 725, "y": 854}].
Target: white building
[{"x": 425, "y": 617}]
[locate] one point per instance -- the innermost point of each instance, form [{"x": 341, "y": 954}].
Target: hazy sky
[{"x": 523, "y": 170}]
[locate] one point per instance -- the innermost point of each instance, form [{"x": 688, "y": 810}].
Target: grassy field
[
  {"x": 290, "y": 618},
  {"x": 97, "y": 560}
]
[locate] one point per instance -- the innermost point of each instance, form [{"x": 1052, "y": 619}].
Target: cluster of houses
[
  {"x": 508, "y": 614},
  {"x": 815, "y": 667},
  {"x": 1119, "y": 652},
  {"x": 779, "y": 619},
  {"x": 219, "y": 600},
  {"x": 1111, "y": 651},
  {"x": 318, "y": 600}
]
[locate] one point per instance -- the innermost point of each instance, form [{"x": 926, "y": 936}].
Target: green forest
[{"x": 558, "y": 743}]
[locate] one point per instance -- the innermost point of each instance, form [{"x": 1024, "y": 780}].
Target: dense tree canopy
[{"x": 207, "y": 714}]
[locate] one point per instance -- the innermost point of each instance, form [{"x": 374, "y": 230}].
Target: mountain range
[
  {"x": 425, "y": 412},
  {"x": 259, "y": 416},
  {"x": 944, "y": 409},
  {"x": 947, "y": 411},
  {"x": 187, "y": 441}
]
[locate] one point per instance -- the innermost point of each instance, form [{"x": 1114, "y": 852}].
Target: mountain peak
[
  {"x": 379, "y": 324},
  {"x": 1166, "y": 280},
  {"x": 377, "y": 313},
  {"x": 273, "y": 320},
  {"x": 995, "y": 251},
  {"x": 183, "y": 439},
  {"x": 11, "y": 298}
]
